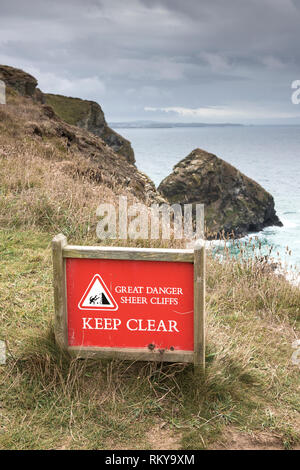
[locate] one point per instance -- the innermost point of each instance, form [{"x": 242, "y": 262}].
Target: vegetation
[
  {"x": 71, "y": 110},
  {"x": 249, "y": 396}
]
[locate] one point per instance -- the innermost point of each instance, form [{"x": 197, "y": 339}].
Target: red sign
[{"x": 130, "y": 304}]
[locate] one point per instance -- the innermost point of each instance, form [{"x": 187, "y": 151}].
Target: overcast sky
[{"x": 174, "y": 60}]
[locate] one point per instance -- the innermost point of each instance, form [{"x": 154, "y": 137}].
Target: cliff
[
  {"x": 87, "y": 115},
  {"x": 233, "y": 202},
  {"x": 27, "y": 123},
  {"x": 22, "y": 82}
]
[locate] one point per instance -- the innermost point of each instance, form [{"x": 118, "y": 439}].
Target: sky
[{"x": 163, "y": 60}]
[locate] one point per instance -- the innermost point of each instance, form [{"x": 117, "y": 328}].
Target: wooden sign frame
[{"x": 61, "y": 251}]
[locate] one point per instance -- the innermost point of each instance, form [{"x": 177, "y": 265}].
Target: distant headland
[{"x": 157, "y": 124}]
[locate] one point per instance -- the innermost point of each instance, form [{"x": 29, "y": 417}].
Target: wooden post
[
  {"x": 59, "y": 284},
  {"x": 199, "y": 306}
]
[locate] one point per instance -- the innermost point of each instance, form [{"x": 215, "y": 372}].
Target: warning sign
[
  {"x": 130, "y": 304},
  {"x": 97, "y": 296}
]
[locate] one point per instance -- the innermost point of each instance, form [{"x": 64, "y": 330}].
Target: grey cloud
[{"x": 157, "y": 53}]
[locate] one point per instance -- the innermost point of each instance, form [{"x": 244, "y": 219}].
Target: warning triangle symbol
[{"x": 97, "y": 296}]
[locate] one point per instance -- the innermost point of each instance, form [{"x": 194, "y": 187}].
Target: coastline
[
  {"x": 256, "y": 150},
  {"x": 276, "y": 265}
]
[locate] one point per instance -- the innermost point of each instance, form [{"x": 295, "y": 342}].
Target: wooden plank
[
  {"x": 199, "y": 307},
  {"x": 143, "y": 254},
  {"x": 59, "y": 285},
  {"x": 132, "y": 354}
]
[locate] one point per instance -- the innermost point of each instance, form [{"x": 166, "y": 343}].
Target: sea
[{"x": 268, "y": 154}]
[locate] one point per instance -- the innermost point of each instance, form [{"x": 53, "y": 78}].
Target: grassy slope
[
  {"x": 49, "y": 401},
  {"x": 71, "y": 110},
  {"x": 74, "y": 110}
]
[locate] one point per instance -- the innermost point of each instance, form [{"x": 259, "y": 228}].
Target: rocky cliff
[
  {"x": 85, "y": 114},
  {"x": 233, "y": 202},
  {"x": 31, "y": 123},
  {"x": 88, "y": 115},
  {"x": 22, "y": 82}
]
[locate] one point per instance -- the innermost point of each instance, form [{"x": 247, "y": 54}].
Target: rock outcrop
[
  {"x": 85, "y": 114},
  {"x": 88, "y": 115},
  {"x": 233, "y": 202},
  {"x": 71, "y": 148},
  {"x": 99, "y": 163},
  {"x": 22, "y": 82}
]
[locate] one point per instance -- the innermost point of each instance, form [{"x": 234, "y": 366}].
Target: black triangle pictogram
[
  {"x": 105, "y": 301},
  {"x": 97, "y": 296}
]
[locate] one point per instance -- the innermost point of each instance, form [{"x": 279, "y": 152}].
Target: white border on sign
[{"x": 98, "y": 308}]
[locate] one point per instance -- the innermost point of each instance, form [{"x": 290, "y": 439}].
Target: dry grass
[
  {"x": 43, "y": 184},
  {"x": 50, "y": 401},
  {"x": 47, "y": 194}
]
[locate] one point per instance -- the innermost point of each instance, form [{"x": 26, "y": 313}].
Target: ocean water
[{"x": 268, "y": 154}]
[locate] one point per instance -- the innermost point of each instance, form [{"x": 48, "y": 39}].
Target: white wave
[{"x": 288, "y": 223}]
